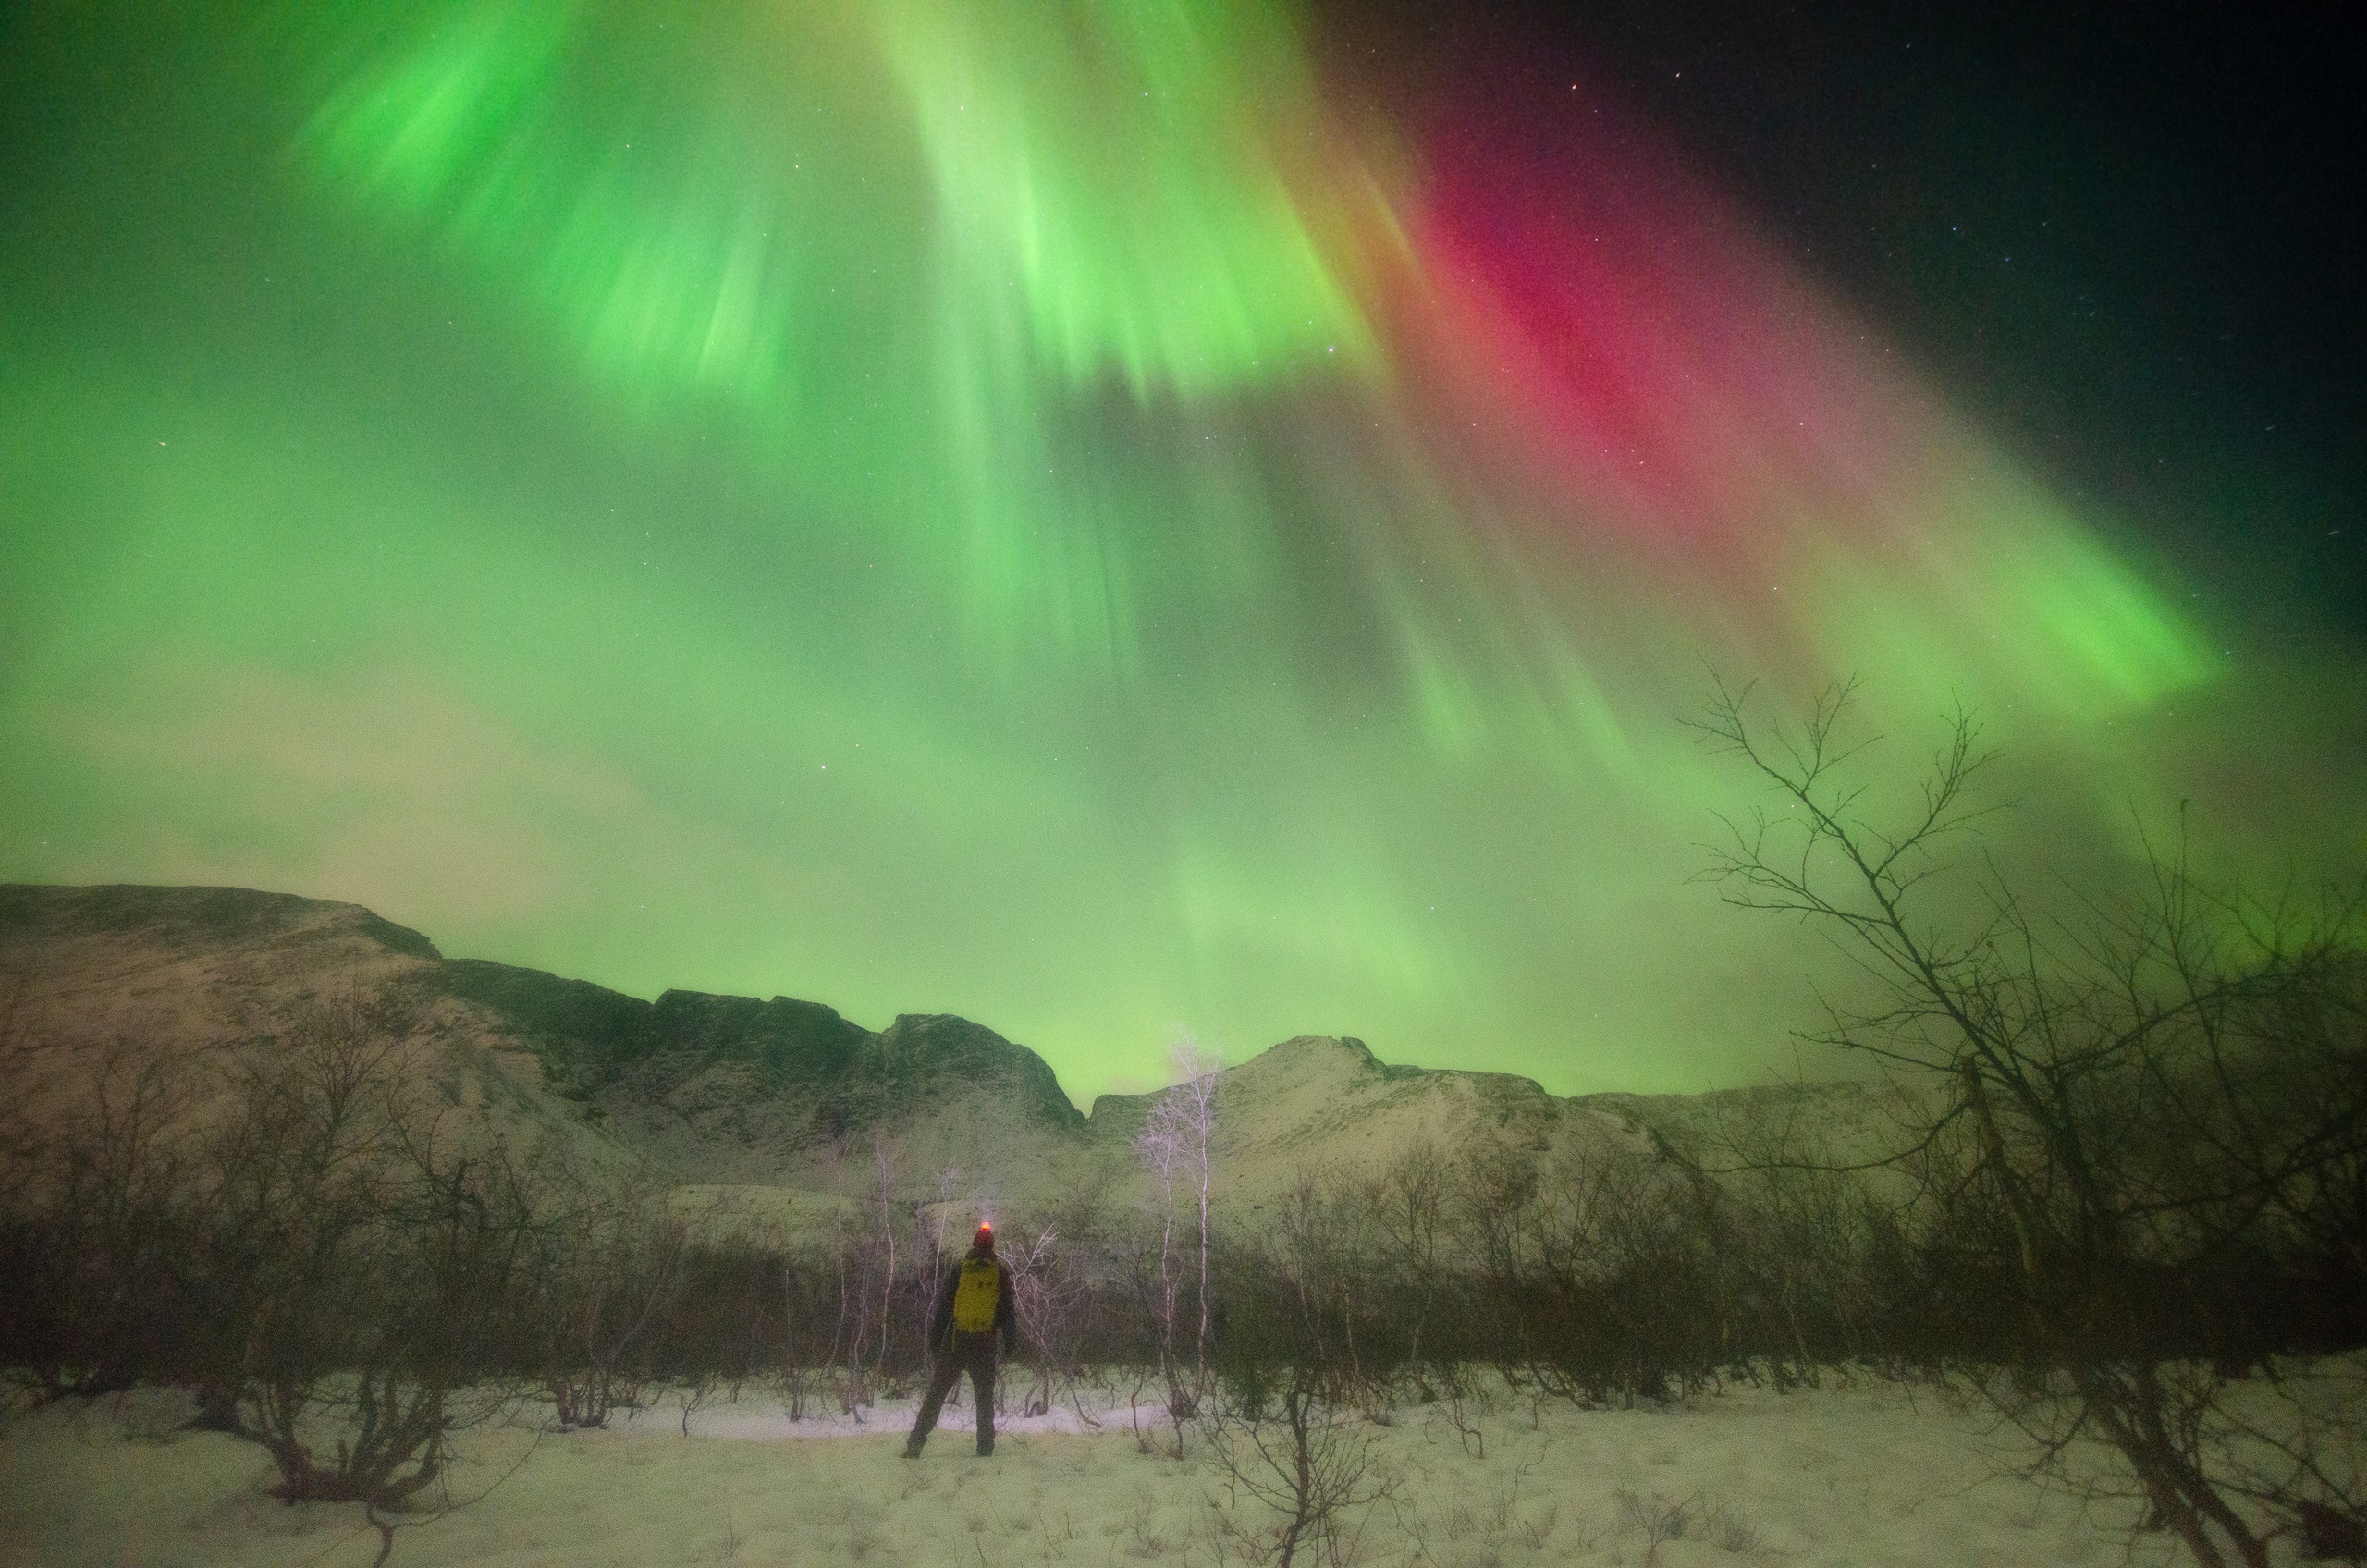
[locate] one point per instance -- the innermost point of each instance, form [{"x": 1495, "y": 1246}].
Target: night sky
[{"x": 1106, "y": 517}]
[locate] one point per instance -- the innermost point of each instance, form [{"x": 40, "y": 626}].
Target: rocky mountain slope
[{"x": 761, "y": 1109}]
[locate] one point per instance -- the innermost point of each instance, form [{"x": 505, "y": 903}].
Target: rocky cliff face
[{"x": 591, "y": 1039}]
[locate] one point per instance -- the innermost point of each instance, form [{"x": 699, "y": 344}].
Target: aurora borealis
[{"x": 1092, "y": 517}]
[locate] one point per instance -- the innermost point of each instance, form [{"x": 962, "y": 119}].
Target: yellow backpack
[{"x": 975, "y": 1298}]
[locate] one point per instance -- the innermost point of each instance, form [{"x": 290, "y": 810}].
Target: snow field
[{"x": 1863, "y": 1476}]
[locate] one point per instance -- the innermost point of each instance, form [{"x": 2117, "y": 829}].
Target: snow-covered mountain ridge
[{"x": 760, "y": 1106}]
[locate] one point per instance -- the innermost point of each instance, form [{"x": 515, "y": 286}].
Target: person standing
[{"x": 974, "y": 1308}]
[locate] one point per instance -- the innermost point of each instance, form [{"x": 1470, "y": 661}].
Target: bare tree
[
  {"x": 846, "y": 1329},
  {"x": 1409, "y": 1201},
  {"x": 1316, "y": 1258},
  {"x": 883, "y": 1164},
  {"x": 1176, "y": 1140},
  {"x": 811, "y": 1287},
  {"x": 1194, "y": 1097},
  {"x": 2123, "y": 1080},
  {"x": 93, "y": 1227},
  {"x": 1160, "y": 1147}
]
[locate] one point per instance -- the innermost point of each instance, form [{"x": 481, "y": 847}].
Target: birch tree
[
  {"x": 1175, "y": 1140},
  {"x": 1159, "y": 1146},
  {"x": 1194, "y": 1098},
  {"x": 883, "y": 1160}
]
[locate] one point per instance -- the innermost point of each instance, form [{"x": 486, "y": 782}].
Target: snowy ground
[{"x": 1869, "y": 1476}]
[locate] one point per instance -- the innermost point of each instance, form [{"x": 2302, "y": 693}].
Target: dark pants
[{"x": 975, "y": 1352}]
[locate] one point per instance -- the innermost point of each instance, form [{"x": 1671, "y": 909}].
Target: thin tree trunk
[{"x": 888, "y": 1275}]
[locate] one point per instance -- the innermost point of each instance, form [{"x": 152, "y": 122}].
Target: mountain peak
[
  {"x": 195, "y": 919},
  {"x": 1338, "y": 1050}
]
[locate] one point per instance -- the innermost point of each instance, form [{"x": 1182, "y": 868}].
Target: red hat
[{"x": 985, "y": 1240}]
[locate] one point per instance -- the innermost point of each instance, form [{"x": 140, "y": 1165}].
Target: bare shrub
[
  {"x": 1052, "y": 1286},
  {"x": 366, "y": 1277},
  {"x": 611, "y": 1268},
  {"x": 808, "y": 1325},
  {"x": 1306, "y": 1461}
]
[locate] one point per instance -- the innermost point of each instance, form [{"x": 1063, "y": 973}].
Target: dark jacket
[{"x": 940, "y": 1323}]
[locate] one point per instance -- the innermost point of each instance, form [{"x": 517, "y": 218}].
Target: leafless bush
[
  {"x": 1656, "y": 1518},
  {"x": 609, "y": 1270},
  {"x": 366, "y": 1277},
  {"x": 1307, "y": 1461},
  {"x": 1051, "y": 1280}
]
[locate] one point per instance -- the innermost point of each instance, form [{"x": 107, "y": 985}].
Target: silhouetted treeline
[{"x": 309, "y": 1233}]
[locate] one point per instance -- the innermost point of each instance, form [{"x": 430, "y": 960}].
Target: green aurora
[{"x": 1040, "y": 513}]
